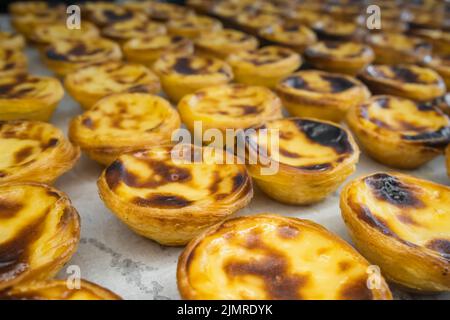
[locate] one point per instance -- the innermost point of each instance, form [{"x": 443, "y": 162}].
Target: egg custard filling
[
  {"x": 111, "y": 126},
  {"x": 171, "y": 194},
  {"x": 312, "y": 158},
  {"x": 271, "y": 257},
  {"x": 39, "y": 232},
  {"x": 46, "y": 34},
  {"x": 397, "y": 48},
  {"x": 332, "y": 29},
  {"x": 221, "y": 43},
  {"x": 147, "y": 50},
  {"x": 163, "y": 11},
  {"x": 26, "y": 23},
  {"x": 252, "y": 21},
  {"x": 289, "y": 34},
  {"x": 9, "y": 40},
  {"x": 57, "y": 290},
  {"x": 191, "y": 26},
  {"x": 232, "y": 106},
  {"x": 341, "y": 57},
  {"x": 320, "y": 94},
  {"x": 402, "y": 224},
  {"x": 182, "y": 75},
  {"x": 34, "y": 151},
  {"x": 408, "y": 81},
  {"x": 104, "y": 13},
  {"x": 66, "y": 56},
  {"x": 264, "y": 66},
  {"x": 29, "y": 97},
  {"x": 90, "y": 84},
  {"x": 12, "y": 62},
  {"x": 132, "y": 29},
  {"x": 412, "y": 133}
]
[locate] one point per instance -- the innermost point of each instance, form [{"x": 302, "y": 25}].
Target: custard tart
[
  {"x": 227, "y": 10},
  {"x": 251, "y": 21},
  {"x": 438, "y": 38},
  {"x": 132, "y": 29},
  {"x": 165, "y": 194},
  {"x": 181, "y": 75},
  {"x": 221, "y": 43},
  {"x": 122, "y": 123},
  {"x": 163, "y": 11},
  {"x": 12, "y": 62},
  {"x": 104, "y": 13},
  {"x": 9, "y": 40},
  {"x": 408, "y": 81},
  {"x": 402, "y": 224},
  {"x": 270, "y": 257},
  {"x": 46, "y": 34},
  {"x": 265, "y": 66},
  {"x": 232, "y": 106},
  {"x": 26, "y": 23},
  {"x": 90, "y": 84},
  {"x": 320, "y": 94},
  {"x": 300, "y": 161},
  {"x": 332, "y": 29},
  {"x": 397, "y": 48},
  {"x": 289, "y": 34},
  {"x": 66, "y": 56},
  {"x": 441, "y": 64},
  {"x": 192, "y": 25},
  {"x": 341, "y": 57},
  {"x": 39, "y": 232},
  {"x": 57, "y": 290},
  {"x": 399, "y": 132},
  {"x": 147, "y": 50},
  {"x": 17, "y": 8},
  {"x": 29, "y": 97},
  {"x": 34, "y": 151}
]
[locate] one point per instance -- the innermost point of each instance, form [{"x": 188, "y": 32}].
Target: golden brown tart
[
  {"x": 227, "y": 10},
  {"x": 320, "y": 94},
  {"x": 66, "y": 56},
  {"x": 341, "y": 57},
  {"x": 147, "y": 50},
  {"x": 192, "y": 25},
  {"x": 301, "y": 16},
  {"x": 10, "y": 40},
  {"x": 111, "y": 126},
  {"x": 397, "y": 48},
  {"x": 46, "y": 34},
  {"x": 132, "y": 29},
  {"x": 107, "y": 13},
  {"x": 12, "y": 62},
  {"x": 172, "y": 198},
  {"x": 441, "y": 64},
  {"x": 402, "y": 224},
  {"x": 232, "y": 106},
  {"x": 332, "y": 29},
  {"x": 29, "y": 97},
  {"x": 222, "y": 43},
  {"x": 265, "y": 66},
  {"x": 163, "y": 11},
  {"x": 300, "y": 161},
  {"x": 412, "y": 133},
  {"x": 251, "y": 21},
  {"x": 438, "y": 38},
  {"x": 90, "y": 84},
  {"x": 26, "y": 23},
  {"x": 39, "y": 232},
  {"x": 181, "y": 75},
  {"x": 34, "y": 151},
  {"x": 23, "y": 7},
  {"x": 270, "y": 257},
  {"x": 289, "y": 34},
  {"x": 57, "y": 290},
  {"x": 404, "y": 80}
]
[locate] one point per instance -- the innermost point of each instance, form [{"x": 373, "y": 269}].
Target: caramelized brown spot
[
  {"x": 162, "y": 201},
  {"x": 88, "y": 123},
  {"x": 356, "y": 290},
  {"x": 9, "y": 209},
  {"x": 287, "y": 232},
  {"x": 238, "y": 181},
  {"x": 23, "y": 154},
  {"x": 344, "y": 265},
  {"x": 440, "y": 245},
  {"x": 376, "y": 222}
]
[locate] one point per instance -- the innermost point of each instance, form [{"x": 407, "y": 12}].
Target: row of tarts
[{"x": 398, "y": 222}]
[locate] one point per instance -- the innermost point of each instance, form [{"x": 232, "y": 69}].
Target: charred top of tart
[
  {"x": 131, "y": 29},
  {"x": 306, "y": 144},
  {"x": 195, "y": 22},
  {"x": 108, "y": 13},
  {"x": 333, "y": 29},
  {"x": 25, "y": 142},
  {"x": 49, "y": 33},
  {"x": 23, "y": 86},
  {"x": 12, "y": 61},
  {"x": 407, "y": 209},
  {"x": 273, "y": 257},
  {"x": 163, "y": 11},
  {"x": 257, "y": 19},
  {"x": 83, "y": 51},
  {"x": 289, "y": 33},
  {"x": 57, "y": 290},
  {"x": 114, "y": 77},
  {"x": 167, "y": 43},
  {"x": 119, "y": 118},
  {"x": 343, "y": 50},
  {"x": 192, "y": 65},
  {"x": 399, "y": 42},
  {"x": 177, "y": 177},
  {"x": 237, "y": 103},
  {"x": 266, "y": 56},
  {"x": 226, "y": 37},
  {"x": 38, "y": 226},
  {"x": 415, "y": 122}
]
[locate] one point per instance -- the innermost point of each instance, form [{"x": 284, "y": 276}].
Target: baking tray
[{"x": 134, "y": 267}]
